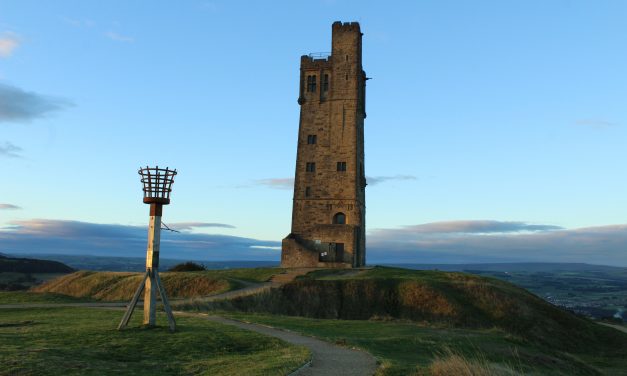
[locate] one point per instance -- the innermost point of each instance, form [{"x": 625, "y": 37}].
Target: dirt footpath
[{"x": 327, "y": 359}]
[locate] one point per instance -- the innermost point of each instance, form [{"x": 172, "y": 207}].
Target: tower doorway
[{"x": 339, "y": 252}]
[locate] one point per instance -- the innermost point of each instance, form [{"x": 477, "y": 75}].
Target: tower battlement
[
  {"x": 328, "y": 214},
  {"x": 346, "y": 26},
  {"x": 312, "y": 62}
]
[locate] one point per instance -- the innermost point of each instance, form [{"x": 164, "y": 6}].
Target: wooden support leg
[
  {"x": 166, "y": 303},
  {"x": 150, "y": 299},
  {"x": 131, "y": 306},
  {"x": 152, "y": 265}
]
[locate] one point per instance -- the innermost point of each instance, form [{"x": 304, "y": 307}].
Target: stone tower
[{"x": 329, "y": 210}]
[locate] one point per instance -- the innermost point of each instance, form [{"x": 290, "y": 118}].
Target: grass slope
[
  {"x": 85, "y": 342},
  {"x": 451, "y": 299},
  {"x": 441, "y": 309},
  {"x": 16, "y": 297},
  {"x": 114, "y": 286},
  {"x": 407, "y": 348}
]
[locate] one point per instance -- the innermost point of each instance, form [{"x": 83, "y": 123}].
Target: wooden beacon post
[{"x": 157, "y": 185}]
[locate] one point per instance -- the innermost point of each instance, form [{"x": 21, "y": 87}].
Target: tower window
[
  {"x": 341, "y": 166},
  {"x": 325, "y": 83},
  {"x": 307, "y": 191},
  {"x": 310, "y": 167},
  {"x": 311, "y": 83},
  {"x": 339, "y": 219},
  {"x": 312, "y": 139}
]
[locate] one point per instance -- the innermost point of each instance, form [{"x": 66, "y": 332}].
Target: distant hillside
[
  {"x": 510, "y": 267},
  {"x": 27, "y": 265},
  {"x": 138, "y": 264}
]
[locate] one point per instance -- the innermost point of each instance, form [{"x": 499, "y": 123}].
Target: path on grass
[
  {"x": 617, "y": 327},
  {"x": 327, "y": 359}
]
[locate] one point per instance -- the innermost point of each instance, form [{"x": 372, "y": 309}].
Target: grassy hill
[
  {"x": 464, "y": 311},
  {"x": 416, "y": 322},
  {"x": 114, "y": 286}
]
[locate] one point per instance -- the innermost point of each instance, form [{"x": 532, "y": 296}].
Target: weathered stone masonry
[{"x": 329, "y": 211}]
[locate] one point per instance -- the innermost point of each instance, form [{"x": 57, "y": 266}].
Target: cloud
[
  {"x": 493, "y": 241},
  {"x": 9, "y": 150},
  {"x": 209, "y": 6},
  {"x": 119, "y": 37},
  {"x": 8, "y": 43},
  {"x": 188, "y": 226},
  {"x": 595, "y": 123},
  {"x": 465, "y": 227},
  {"x": 9, "y": 207},
  {"x": 78, "y": 22},
  {"x": 266, "y": 247},
  {"x": 441, "y": 242},
  {"x": 288, "y": 183},
  {"x": 84, "y": 238},
  {"x": 19, "y": 105},
  {"x": 374, "y": 180},
  {"x": 278, "y": 183}
]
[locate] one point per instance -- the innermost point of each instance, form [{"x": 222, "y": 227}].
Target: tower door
[{"x": 339, "y": 252}]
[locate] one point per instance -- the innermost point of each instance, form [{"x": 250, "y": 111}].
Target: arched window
[{"x": 339, "y": 219}]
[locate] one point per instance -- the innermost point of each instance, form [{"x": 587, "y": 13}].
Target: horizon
[
  {"x": 104, "y": 263},
  {"x": 495, "y": 132}
]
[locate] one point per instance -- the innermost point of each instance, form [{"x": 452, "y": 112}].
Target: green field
[
  {"x": 84, "y": 341},
  {"x": 15, "y": 297}
]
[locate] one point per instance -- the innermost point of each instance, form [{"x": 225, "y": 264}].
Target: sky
[{"x": 496, "y": 130}]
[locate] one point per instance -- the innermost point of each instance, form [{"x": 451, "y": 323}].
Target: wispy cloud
[
  {"x": 9, "y": 207},
  {"x": 209, "y": 6},
  {"x": 9, "y": 42},
  {"x": 10, "y": 151},
  {"x": 75, "y": 238},
  {"x": 119, "y": 37},
  {"x": 374, "y": 180},
  {"x": 494, "y": 241},
  {"x": 278, "y": 183},
  {"x": 188, "y": 226},
  {"x": 288, "y": 183},
  {"x": 20, "y": 105},
  {"x": 83, "y": 22},
  {"x": 466, "y": 227},
  {"x": 595, "y": 123}
]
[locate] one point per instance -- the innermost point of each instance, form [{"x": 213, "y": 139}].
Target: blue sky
[{"x": 501, "y": 115}]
